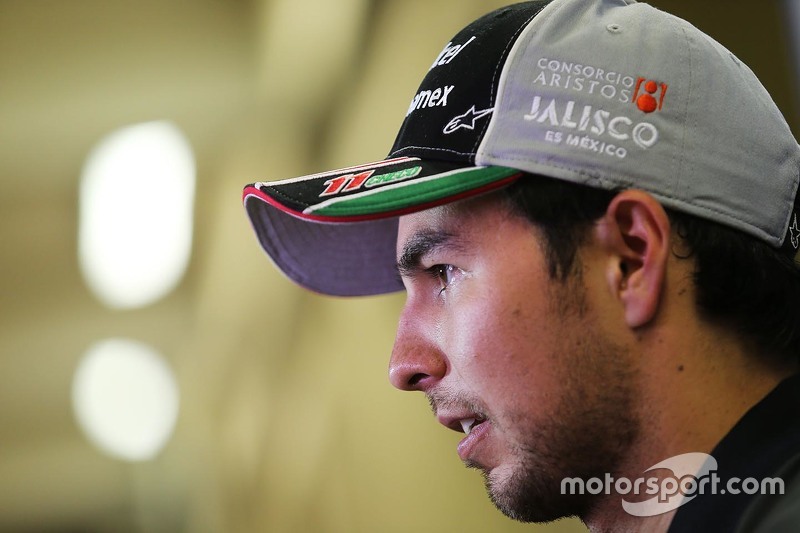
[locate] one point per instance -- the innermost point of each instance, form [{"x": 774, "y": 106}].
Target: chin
[{"x": 527, "y": 495}]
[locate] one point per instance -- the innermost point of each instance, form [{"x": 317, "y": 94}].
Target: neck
[{"x": 690, "y": 399}]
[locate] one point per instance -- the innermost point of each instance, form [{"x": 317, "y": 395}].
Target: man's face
[{"x": 517, "y": 358}]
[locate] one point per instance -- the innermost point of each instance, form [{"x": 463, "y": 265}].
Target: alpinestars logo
[
  {"x": 795, "y": 230},
  {"x": 466, "y": 121}
]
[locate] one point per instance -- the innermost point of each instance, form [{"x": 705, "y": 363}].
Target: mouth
[
  {"x": 462, "y": 423},
  {"x": 468, "y": 448},
  {"x": 468, "y": 423},
  {"x": 474, "y": 426}
]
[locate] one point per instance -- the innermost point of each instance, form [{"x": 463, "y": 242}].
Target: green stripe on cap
[{"x": 410, "y": 193}]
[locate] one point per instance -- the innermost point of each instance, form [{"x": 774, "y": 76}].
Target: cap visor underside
[{"x": 335, "y": 232}]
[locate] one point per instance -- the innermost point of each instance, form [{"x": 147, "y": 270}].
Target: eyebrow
[{"x": 422, "y": 244}]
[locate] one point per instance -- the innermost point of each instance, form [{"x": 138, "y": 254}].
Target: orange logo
[{"x": 645, "y": 95}]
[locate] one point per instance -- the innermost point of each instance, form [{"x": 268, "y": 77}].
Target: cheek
[{"x": 502, "y": 348}]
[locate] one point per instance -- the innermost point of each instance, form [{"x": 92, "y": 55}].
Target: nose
[{"x": 416, "y": 362}]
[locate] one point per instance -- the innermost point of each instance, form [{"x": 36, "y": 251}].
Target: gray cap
[{"x": 612, "y": 94}]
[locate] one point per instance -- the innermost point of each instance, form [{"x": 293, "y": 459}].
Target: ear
[{"x": 635, "y": 235}]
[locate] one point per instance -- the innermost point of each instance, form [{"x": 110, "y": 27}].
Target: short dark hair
[{"x": 741, "y": 282}]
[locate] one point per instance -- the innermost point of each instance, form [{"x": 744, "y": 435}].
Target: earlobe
[{"x": 635, "y": 233}]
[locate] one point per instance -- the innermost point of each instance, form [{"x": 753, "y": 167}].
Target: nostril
[
  {"x": 413, "y": 376},
  {"x": 414, "y": 380}
]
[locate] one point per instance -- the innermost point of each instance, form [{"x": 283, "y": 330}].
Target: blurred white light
[
  {"x": 125, "y": 399},
  {"x": 136, "y": 202}
]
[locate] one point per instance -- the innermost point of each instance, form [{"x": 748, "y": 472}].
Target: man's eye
[{"x": 444, "y": 274}]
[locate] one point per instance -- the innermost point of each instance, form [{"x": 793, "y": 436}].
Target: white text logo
[
  {"x": 428, "y": 98},
  {"x": 691, "y": 475},
  {"x": 449, "y": 53}
]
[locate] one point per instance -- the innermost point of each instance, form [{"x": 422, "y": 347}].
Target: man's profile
[{"x": 600, "y": 262}]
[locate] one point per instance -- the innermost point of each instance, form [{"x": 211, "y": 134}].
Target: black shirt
[{"x": 765, "y": 443}]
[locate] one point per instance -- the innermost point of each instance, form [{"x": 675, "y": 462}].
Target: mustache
[{"x": 449, "y": 400}]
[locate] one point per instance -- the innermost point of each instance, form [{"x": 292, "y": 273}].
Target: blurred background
[{"x": 157, "y": 374}]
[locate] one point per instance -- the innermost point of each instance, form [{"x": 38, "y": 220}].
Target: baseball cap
[{"x": 612, "y": 94}]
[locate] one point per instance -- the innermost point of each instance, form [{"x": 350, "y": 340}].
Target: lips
[
  {"x": 462, "y": 422},
  {"x": 467, "y": 448},
  {"x": 472, "y": 425}
]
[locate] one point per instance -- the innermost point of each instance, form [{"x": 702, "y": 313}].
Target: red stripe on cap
[{"x": 253, "y": 191}]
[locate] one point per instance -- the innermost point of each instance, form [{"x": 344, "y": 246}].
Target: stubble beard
[{"x": 588, "y": 435}]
